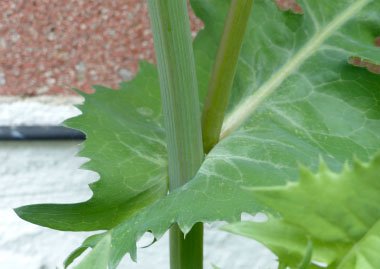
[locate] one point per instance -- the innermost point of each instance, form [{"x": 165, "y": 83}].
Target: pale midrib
[{"x": 245, "y": 109}]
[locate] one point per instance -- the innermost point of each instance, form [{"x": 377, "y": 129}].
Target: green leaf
[
  {"x": 338, "y": 213},
  {"x": 99, "y": 256},
  {"x": 365, "y": 255},
  {"x": 287, "y": 241},
  {"x": 125, "y": 142},
  {"x": 295, "y": 98},
  {"x": 90, "y": 242}
]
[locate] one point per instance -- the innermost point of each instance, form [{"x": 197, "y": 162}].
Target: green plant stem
[
  {"x": 188, "y": 252},
  {"x": 179, "y": 91},
  {"x": 224, "y": 70}
]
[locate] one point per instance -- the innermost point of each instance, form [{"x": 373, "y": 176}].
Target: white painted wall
[{"x": 34, "y": 172}]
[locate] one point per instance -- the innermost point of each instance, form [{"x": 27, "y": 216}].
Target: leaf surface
[
  {"x": 125, "y": 142},
  {"x": 99, "y": 256},
  {"x": 338, "y": 213},
  {"x": 295, "y": 98}
]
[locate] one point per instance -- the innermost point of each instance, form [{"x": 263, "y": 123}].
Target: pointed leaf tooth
[
  {"x": 133, "y": 253},
  {"x": 80, "y": 92},
  {"x": 376, "y": 160},
  {"x": 346, "y": 168},
  {"x": 358, "y": 165},
  {"x": 144, "y": 65},
  {"x": 73, "y": 255},
  {"x": 323, "y": 167},
  {"x": 99, "y": 257},
  {"x": 185, "y": 228},
  {"x": 101, "y": 88},
  {"x": 306, "y": 175}
]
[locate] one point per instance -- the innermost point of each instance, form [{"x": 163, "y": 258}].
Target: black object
[{"x": 20, "y": 133}]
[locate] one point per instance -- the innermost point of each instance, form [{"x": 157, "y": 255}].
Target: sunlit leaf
[{"x": 338, "y": 213}]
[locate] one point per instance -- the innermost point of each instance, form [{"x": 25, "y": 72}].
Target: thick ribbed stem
[{"x": 179, "y": 91}]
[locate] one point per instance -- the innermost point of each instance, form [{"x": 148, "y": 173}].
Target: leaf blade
[
  {"x": 126, "y": 147},
  {"x": 339, "y": 213}
]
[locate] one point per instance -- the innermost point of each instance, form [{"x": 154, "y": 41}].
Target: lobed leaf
[
  {"x": 338, "y": 213},
  {"x": 125, "y": 142}
]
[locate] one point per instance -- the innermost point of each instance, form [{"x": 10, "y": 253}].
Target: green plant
[
  {"x": 297, "y": 94},
  {"x": 338, "y": 226}
]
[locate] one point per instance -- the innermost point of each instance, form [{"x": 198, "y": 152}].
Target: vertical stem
[
  {"x": 186, "y": 253},
  {"x": 179, "y": 92},
  {"x": 224, "y": 70}
]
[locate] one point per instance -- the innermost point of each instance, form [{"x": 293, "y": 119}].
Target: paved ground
[{"x": 48, "y": 46}]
